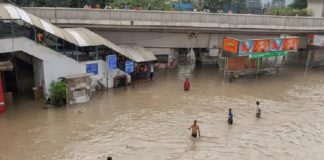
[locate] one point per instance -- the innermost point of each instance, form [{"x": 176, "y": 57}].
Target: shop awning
[{"x": 138, "y": 53}]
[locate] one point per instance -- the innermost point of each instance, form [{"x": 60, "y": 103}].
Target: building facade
[{"x": 317, "y": 7}]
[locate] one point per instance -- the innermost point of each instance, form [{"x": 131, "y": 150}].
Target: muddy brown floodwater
[{"x": 150, "y": 122}]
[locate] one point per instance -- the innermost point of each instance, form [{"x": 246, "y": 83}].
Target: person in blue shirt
[{"x": 230, "y": 116}]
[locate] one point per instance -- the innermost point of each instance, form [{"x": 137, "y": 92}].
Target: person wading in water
[
  {"x": 230, "y": 116},
  {"x": 186, "y": 85},
  {"x": 258, "y": 113},
  {"x": 195, "y": 129}
]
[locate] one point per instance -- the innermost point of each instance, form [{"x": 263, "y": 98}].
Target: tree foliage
[
  {"x": 288, "y": 11},
  {"x": 299, "y": 4},
  {"x": 145, "y": 4},
  {"x": 58, "y": 93},
  {"x": 212, "y": 5},
  {"x": 215, "y": 5},
  {"x": 60, "y": 3}
]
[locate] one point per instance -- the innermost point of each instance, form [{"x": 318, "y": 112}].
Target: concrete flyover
[{"x": 162, "y": 21}]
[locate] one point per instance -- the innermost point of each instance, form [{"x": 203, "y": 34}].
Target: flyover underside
[{"x": 181, "y": 40}]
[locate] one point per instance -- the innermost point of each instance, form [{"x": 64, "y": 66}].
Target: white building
[{"x": 317, "y": 7}]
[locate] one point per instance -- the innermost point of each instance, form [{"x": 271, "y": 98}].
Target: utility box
[
  {"x": 38, "y": 93},
  {"x": 78, "y": 88}
]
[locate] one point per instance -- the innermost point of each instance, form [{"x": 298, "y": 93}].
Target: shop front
[{"x": 256, "y": 56}]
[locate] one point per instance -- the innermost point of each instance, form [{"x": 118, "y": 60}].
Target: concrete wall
[
  {"x": 147, "y": 20},
  {"x": 317, "y": 7},
  {"x": 39, "y": 79},
  {"x": 101, "y": 72},
  {"x": 318, "y": 55},
  {"x": 159, "y": 51},
  {"x": 54, "y": 64},
  {"x": 158, "y": 40}
]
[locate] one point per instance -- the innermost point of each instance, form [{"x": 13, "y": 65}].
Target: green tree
[
  {"x": 58, "y": 93},
  {"x": 215, "y": 5},
  {"x": 278, "y": 3},
  {"x": 145, "y": 4},
  {"x": 300, "y": 4},
  {"x": 62, "y": 3},
  {"x": 288, "y": 11}
]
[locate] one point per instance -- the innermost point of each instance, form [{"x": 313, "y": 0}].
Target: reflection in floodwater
[
  {"x": 151, "y": 121},
  {"x": 186, "y": 69}
]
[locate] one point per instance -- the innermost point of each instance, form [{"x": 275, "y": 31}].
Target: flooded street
[{"x": 150, "y": 122}]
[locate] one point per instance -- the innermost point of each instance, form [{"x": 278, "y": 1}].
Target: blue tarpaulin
[{"x": 183, "y": 6}]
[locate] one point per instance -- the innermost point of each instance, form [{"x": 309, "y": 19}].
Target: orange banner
[
  {"x": 230, "y": 45},
  {"x": 291, "y": 44},
  {"x": 241, "y": 63},
  {"x": 260, "y": 46}
]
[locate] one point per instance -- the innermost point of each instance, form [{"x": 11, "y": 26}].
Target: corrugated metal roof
[
  {"x": 81, "y": 37},
  {"x": 139, "y": 53},
  {"x": 11, "y": 12},
  {"x": 85, "y": 36}
]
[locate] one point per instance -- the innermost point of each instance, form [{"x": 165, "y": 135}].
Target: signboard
[
  {"x": 245, "y": 47},
  {"x": 318, "y": 40},
  {"x": 276, "y": 44},
  {"x": 92, "y": 68},
  {"x": 268, "y": 54},
  {"x": 230, "y": 45},
  {"x": 111, "y": 62},
  {"x": 290, "y": 44},
  {"x": 260, "y": 46},
  {"x": 263, "y": 47},
  {"x": 2, "y": 109},
  {"x": 241, "y": 63},
  {"x": 129, "y": 66}
]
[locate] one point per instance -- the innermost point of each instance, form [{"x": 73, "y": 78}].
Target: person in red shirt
[
  {"x": 186, "y": 85},
  {"x": 40, "y": 37}
]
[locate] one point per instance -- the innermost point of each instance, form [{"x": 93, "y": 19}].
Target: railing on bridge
[{"x": 177, "y": 19}]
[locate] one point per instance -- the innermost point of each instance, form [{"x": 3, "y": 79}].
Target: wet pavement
[{"x": 151, "y": 121}]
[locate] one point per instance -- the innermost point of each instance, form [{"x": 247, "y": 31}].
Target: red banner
[
  {"x": 260, "y": 46},
  {"x": 276, "y": 44},
  {"x": 291, "y": 44}
]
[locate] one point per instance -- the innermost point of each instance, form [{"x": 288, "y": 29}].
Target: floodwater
[{"x": 150, "y": 122}]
